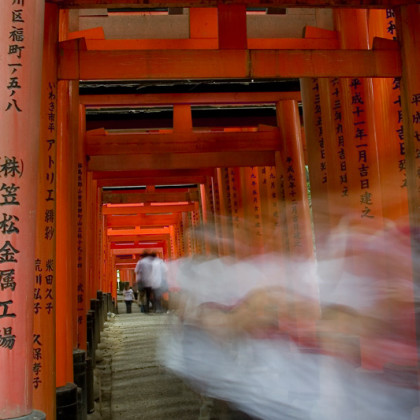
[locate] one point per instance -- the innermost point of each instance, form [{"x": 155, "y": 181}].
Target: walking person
[
  {"x": 143, "y": 272},
  {"x": 128, "y": 297},
  {"x": 159, "y": 281}
]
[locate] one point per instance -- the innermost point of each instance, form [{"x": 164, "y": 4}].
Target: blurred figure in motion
[
  {"x": 128, "y": 297},
  {"x": 143, "y": 272},
  {"x": 247, "y": 331},
  {"x": 158, "y": 281}
]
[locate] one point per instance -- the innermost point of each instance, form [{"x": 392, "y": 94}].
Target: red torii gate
[{"x": 388, "y": 62}]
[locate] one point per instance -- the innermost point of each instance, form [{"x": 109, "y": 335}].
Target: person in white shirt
[{"x": 128, "y": 297}]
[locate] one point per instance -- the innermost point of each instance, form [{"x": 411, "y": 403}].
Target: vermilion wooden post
[
  {"x": 271, "y": 209},
  {"x": 232, "y": 26},
  {"x": 103, "y": 250},
  {"x": 359, "y": 120},
  {"x": 81, "y": 233},
  {"x": 252, "y": 229},
  {"x": 64, "y": 290},
  {"x": 186, "y": 234},
  {"x": 392, "y": 166},
  {"x": 318, "y": 131},
  {"x": 291, "y": 165},
  {"x": 21, "y": 32},
  {"x": 110, "y": 280},
  {"x": 217, "y": 212},
  {"x": 113, "y": 278},
  {"x": 264, "y": 205},
  {"x": 225, "y": 211},
  {"x": 182, "y": 118},
  {"x": 44, "y": 382},
  {"x": 205, "y": 216},
  {"x": 210, "y": 227},
  {"x": 203, "y": 23},
  {"x": 361, "y": 149},
  {"x": 389, "y": 126},
  {"x": 99, "y": 243},
  {"x": 181, "y": 240},
  {"x": 173, "y": 253},
  {"x": 237, "y": 209},
  {"x": 408, "y": 33},
  {"x": 90, "y": 234}
]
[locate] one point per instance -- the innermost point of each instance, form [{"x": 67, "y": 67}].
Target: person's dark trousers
[
  {"x": 148, "y": 291},
  {"x": 128, "y": 305},
  {"x": 158, "y": 300}
]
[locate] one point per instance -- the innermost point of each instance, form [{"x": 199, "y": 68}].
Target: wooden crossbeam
[
  {"x": 141, "y": 238},
  {"x": 208, "y": 44},
  {"x": 95, "y": 4},
  {"x": 127, "y": 251},
  {"x": 149, "y": 209},
  {"x": 160, "y": 174},
  {"x": 130, "y": 198},
  {"x": 122, "y": 265},
  {"x": 199, "y": 98},
  {"x": 141, "y": 220},
  {"x": 134, "y": 246},
  {"x": 181, "y": 142},
  {"x": 181, "y": 160},
  {"x": 123, "y": 261},
  {"x": 224, "y": 64},
  {"x": 127, "y": 182},
  {"x": 137, "y": 232}
]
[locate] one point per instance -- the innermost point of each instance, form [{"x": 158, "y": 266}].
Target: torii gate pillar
[{"x": 21, "y": 38}]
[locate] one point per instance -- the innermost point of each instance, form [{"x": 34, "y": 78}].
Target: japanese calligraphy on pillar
[
  {"x": 228, "y": 192},
  {"x": 15, "y": 51},
  {"x": 415, "y": 108},
  {"x": 180, "y": 235},
  {"x": 79, "y": 215},
  {"x": 296, "y": 236},
  {"x": 255, "y": 200},
  {"x": 391, "y": 28},
  {"x": 195, "y": 223},
  {"x": 11, "y": 169},
  {"x": 273, "y": 196},
  {"x": 209, "y": 185},
  {"x": 337, "y": 117},
  {"x": 80, "y": 249},
  {"x": 234, "y": 197},
  {"x": 399, "y": 131},
  {"x": 361, "y": 143},
  {"x": 263, "y": 186},
  {"x": 172, "y": 242},
  {"x": 319, "y": 130},
  {"x": 45, "y": 266}
]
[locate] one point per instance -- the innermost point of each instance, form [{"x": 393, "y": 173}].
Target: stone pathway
[{"x": 133, "y": 384}]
